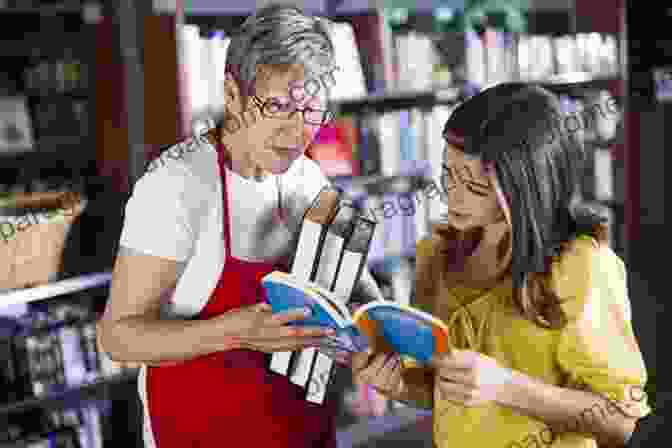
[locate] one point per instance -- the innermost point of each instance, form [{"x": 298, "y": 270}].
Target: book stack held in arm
[{"x": 331, "y": 253}]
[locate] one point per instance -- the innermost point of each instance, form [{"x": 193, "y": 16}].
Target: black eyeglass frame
[
  {"x": 451, "y": 176},
  {"x": 264, "y": 105}
]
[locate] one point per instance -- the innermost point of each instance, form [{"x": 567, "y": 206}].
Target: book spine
[
  {"x": 320, "y": 378},
  {"x": 350, "y": 268},
  {"x": 331, "y": 251},
  {"x": 304, "y": 266}
]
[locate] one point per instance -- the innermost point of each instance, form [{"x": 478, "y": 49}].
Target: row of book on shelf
[
  {"x": 37, "y": 100},
  {"x": 74, "y": 427},
  {"x": 424, "y": 62},
  {"x": 45, "y": 352},
  {"x": 370, "y": 57}
]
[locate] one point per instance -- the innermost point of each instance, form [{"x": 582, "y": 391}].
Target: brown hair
[{"x": 535, "y": 300}]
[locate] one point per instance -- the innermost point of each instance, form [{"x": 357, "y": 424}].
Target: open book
[{"x": 382, "y": 326}]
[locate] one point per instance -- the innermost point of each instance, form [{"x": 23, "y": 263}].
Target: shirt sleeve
[
  {"x": 597, "y": 349},
  {"x": 302, "y": 183},
  {"x": 157, "y": 220}
]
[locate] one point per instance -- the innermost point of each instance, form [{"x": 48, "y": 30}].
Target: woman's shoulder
[
  {"x": 304, "y": 168},
  {"x": 583, "y": 266}
]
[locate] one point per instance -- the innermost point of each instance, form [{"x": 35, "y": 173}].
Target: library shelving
[{"x": 160, "y": 119}]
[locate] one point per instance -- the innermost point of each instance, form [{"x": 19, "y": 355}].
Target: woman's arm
[
  {"x": 565, "y": 409},
  {"x": 130, "y": 329}
]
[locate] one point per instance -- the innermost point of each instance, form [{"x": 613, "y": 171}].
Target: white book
[
  {"x": 353, "y": 261},
  {"x": 217, "y": 45},
  {"x": 307, "y": 249},
  {"x": 420, "y": 124},
  {"x": 435, "y": 124},
  {"x": 313, "y": 230},
  {"x": 189, "y": 62},
  {"x": 604, "y": 182},
  {"x": 348, "y": 76},
  {"x": 402, "y": 62},
  {"x": 475, "y": 58},
  {"x": 390, "y": 151},
  {"x": 338, "y": 232}
]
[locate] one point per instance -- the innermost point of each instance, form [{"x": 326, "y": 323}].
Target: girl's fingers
[
  {"x": 379, "y": 371},
  {"x": 396, "y": 380},
  {"x": 452, "y": 391}
]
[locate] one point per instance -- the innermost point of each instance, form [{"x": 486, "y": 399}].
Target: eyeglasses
[
  {"x": 274, "y": 108},
  {"x": 450, "y": 176}
]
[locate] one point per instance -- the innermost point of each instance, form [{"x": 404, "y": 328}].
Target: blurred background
[{"x": 90, "y": 90}]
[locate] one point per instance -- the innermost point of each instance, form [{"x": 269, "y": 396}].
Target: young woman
[
  {"x": 543, "y": 351},
  {"x": 202, "y": 229}
]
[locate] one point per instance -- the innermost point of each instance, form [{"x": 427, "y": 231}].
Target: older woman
[{"x": 207, "y": 226}]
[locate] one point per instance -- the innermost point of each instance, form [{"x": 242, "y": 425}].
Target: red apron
[{"x": 231, "y": 399}]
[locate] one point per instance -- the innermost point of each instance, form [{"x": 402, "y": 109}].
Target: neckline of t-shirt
[
  {"x": 251, "y": 181},
  {"x": 240, "y": 178}
]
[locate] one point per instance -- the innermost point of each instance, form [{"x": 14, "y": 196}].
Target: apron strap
[{"x": 225, "y": 198}]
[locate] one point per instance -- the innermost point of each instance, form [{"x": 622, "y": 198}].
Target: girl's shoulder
[{"x": 584, "y": 268}]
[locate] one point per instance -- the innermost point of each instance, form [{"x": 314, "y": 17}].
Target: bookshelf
[
  {"x": 70, "y": 397},
  {"x": 55, "y": 55},
  {"x": 55, "y": 289}
]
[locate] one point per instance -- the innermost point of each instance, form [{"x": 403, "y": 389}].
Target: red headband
[{"x": 453, "y": 138}]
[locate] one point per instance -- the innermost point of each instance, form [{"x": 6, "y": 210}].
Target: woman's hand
[
  {"x": 256, "y": 327},
  {"x": 382, "y": 371},
  {"x": 470, "y": 378}
]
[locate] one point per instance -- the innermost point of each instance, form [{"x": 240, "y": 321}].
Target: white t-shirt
[{"x": 176, "y": 212}]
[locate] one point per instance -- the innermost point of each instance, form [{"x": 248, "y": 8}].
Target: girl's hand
[
  {"x": 381, "y": 370},
  {"x": 470, "y": 378}
]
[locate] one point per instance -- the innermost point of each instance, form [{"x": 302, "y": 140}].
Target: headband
[{"x": 454, "y": 138}]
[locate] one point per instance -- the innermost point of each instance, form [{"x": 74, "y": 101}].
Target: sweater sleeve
[{"x": 597, "y": 349}]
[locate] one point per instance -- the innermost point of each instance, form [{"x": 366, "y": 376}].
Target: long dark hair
[{"x": 518, "y": 130}]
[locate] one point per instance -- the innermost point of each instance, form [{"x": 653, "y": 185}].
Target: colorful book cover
[{"x": 380, "y": 325}]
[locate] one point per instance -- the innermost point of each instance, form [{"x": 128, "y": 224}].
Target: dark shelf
[
  {"x": 79, "y": 94},
  {"x": 63, "y": 399},
  {"x": 44, "y": 10},
  {"x": 572, "y": 88},
  {"x": 387, "y": 101},
  {"x": 381, "y": 102},
  {"x": 380, "y": 184}
]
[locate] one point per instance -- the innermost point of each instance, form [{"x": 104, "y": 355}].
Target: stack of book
[{"x": 331, "y": 253}]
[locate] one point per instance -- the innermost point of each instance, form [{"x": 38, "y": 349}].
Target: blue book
[
  {"x": 286, "y": 292},
  {"x": 390, "y": 327},
  {"x": 380, "y": 325}
]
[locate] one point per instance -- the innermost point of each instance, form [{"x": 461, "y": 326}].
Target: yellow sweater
[{"x": 596, "y": 350}]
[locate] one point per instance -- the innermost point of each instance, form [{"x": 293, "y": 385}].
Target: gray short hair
[{"x": 276, "y": 35}]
